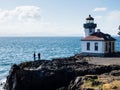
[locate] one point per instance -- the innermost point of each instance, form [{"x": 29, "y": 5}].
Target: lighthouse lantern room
[{"x": 89, "y": 26}]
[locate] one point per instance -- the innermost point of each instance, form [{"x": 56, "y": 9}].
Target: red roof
[
  {"x": 93, "y": 38},
  {"x": 98, "y": 36}
]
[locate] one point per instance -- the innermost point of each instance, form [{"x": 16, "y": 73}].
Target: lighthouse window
[
  {"x": 90, "y": 30},
  {"x": 88, "y": 46},
  {"x": 96, "y": 46},
  {"x": 91, "y": 21},
  {"x": 87, "y": 21}
]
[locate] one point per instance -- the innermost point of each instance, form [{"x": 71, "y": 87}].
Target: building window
[
  {"x": 88, "y": 46},
  {"x": 96, "y": 46},
  {"x": 113, "y": 46},
  {"x": 91, "y": 21},
  {"x": 106, "y": 46}
]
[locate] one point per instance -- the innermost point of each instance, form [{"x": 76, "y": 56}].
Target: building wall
[
  {"x": 87, "y": 32},
  {"x": 101, "y": 47},
  {"x": 112, "y": 46}
]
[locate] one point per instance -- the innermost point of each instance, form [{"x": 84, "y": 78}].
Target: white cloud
[
  {"x": 21, "y": 13},
  {"x": 100, "y": 9},
  {"x": 110, "y": 22},
  {"x": 27, "y": 21}
]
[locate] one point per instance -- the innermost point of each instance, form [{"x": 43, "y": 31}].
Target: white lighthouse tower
[{"x": 89, "y": 26}]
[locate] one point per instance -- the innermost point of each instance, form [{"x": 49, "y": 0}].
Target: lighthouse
[
  {"x": 89, "y": 26},
  {"x": 95, "y": 42}
]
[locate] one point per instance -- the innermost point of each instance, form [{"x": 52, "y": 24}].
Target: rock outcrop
[{"x": 56, "y": 74}]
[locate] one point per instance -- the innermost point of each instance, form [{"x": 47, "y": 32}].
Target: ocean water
[{"x": 21, "y": 49}]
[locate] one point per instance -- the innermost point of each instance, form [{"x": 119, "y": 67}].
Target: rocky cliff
[{"x": 57, "y": 74}]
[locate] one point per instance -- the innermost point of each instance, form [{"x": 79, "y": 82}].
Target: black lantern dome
[{"x": 89, "y": 18}]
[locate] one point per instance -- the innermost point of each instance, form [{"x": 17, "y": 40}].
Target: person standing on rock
[
  {"x": 34, "y": 56},
  {"x": 38, "y": 56}
]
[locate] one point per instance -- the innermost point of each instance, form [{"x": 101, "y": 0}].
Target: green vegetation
[
  {"x": 102, "y": 82},
  {"x": 92, "y": 83}
]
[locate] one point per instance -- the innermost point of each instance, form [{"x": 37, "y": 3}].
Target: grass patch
[
  {"x": 115, "y": 85},
  {"x": 92, "y": 84}
]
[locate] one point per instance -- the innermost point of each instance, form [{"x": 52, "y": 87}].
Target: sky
[{"x": 57, "y": 17}]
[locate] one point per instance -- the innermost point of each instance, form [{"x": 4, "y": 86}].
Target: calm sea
[{"x": 20, "y": 49}]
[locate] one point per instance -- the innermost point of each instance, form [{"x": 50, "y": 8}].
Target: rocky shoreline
[{"x": 72, "y": 73}]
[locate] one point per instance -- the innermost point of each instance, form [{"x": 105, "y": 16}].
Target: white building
[{"x": 95, "y": 42}]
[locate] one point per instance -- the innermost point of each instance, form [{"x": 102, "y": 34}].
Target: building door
[{"x": 110, "y": 47}]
